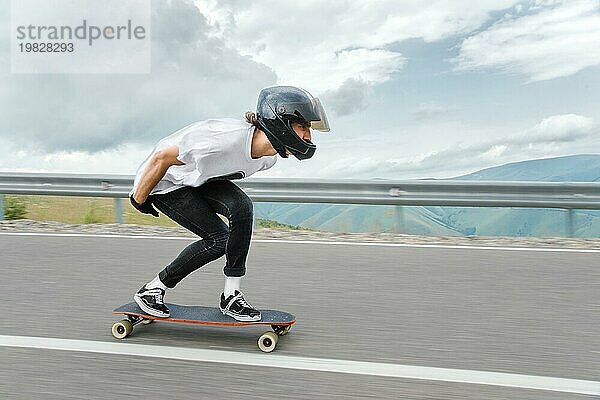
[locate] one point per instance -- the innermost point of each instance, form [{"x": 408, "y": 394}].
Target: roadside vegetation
[
  {"x": 89, "y": 210},
  {"x": 267, "y": 223},
  {"x": 15, "y": 207}
]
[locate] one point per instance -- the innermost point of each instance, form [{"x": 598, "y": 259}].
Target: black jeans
[{"x": 196, "y": 208}]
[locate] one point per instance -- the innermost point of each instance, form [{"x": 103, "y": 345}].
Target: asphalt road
[{"x": 522, "y": 312}]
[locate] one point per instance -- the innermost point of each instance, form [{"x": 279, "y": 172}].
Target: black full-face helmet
[{"x": 278, "y": 107}]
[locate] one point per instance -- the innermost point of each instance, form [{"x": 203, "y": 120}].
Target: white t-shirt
[{"x": 215, "y": 148}]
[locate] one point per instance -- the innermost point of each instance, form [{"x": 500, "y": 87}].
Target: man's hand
[{"x": 146, "y": 207}]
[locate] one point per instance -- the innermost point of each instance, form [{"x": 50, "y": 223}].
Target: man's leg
[
  {"x": 191, "y": 211},
  {"x": 228, "y": 199},
  {"x": 188, "y": 208}
]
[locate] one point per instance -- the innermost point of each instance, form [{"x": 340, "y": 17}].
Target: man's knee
[
  {"x": 220, "y": 241},
  {"x": 243, "y": 208}
]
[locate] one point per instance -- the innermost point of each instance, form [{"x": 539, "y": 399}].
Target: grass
[
  {"x": 98, "y": 210},
  {"x": 14, "y": 208},
  {"x": 268, "y": 223},
  {"x": 82, "y": 210}
]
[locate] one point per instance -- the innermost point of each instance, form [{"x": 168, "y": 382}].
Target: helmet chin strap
[
  {"x": 283, "y": 150},
  {"x": 277, "y": 145}
]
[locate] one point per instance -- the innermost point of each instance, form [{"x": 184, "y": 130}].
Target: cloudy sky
[{"x": 413, "y": 88}]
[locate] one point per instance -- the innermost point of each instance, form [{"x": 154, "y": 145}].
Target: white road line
[
  {"x": 440, "y": 246},
  {"x": 309, "y": 364},
  {"x": 92, "y": 235},
  {"x": 323, "y": 242}
]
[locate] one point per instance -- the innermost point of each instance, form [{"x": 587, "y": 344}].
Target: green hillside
[
  {"x": 357, "y": 218},
  {"x": 450, "y": 221}
]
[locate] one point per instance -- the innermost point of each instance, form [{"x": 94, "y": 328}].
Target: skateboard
[{"x": 280, "y": 322}]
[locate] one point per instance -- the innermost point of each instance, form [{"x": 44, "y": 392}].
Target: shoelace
[
  {"x": 158, "y": 296},
  {"x": 243, "y": 302}
]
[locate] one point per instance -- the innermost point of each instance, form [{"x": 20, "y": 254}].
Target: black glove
[{"x": 146, "y": 207}]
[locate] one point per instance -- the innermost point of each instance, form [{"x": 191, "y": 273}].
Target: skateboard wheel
[
  {"x": 267, "y": 341},
  {"x": 147, "y": 321},
  {"x": 281, "y": 330},
  {"x": 122, "y": 329}
]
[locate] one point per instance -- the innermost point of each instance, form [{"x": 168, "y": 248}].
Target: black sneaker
[
  {"x": 151, "y": 301},
  {"x": 238, "y": 308}
]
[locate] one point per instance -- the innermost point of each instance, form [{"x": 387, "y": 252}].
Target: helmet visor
[{"x": 322, "y": 124}]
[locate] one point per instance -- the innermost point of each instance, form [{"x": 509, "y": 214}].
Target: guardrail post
[
  {"x": 400, "y": 228},
  {"x": 570, "y": 223},
  {"x": 118, "y": 210},
  {"x": 1, "y": 207}
]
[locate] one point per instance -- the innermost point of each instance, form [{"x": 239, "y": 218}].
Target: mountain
[
  {"x": 356, "y": 218},
  {"x": 528, "y": 221},
  {"x": 458, "y": 221},
  {"x": 577, "y": 168}
]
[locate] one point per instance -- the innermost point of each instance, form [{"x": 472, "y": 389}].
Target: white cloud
[
  {"x": 359, "y": 159},
  {"x": 320, "y": 45},
  {"x": 557, "y": 40},
  {"x": 348, "y": 98},
  {"x": 193, "y": 77},
  {"x": 564, "y": 127},
  {"x": 123, "y": 159},
  {"x": 554, "y": 136}
]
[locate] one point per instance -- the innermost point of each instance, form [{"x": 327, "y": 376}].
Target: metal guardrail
[{"x": 563, "y": 195}]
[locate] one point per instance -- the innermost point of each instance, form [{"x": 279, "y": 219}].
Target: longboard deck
[{"x": 207, "y": 315}]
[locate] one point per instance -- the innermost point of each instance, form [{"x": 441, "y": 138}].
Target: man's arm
[{"x": 154, "y": 172}]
